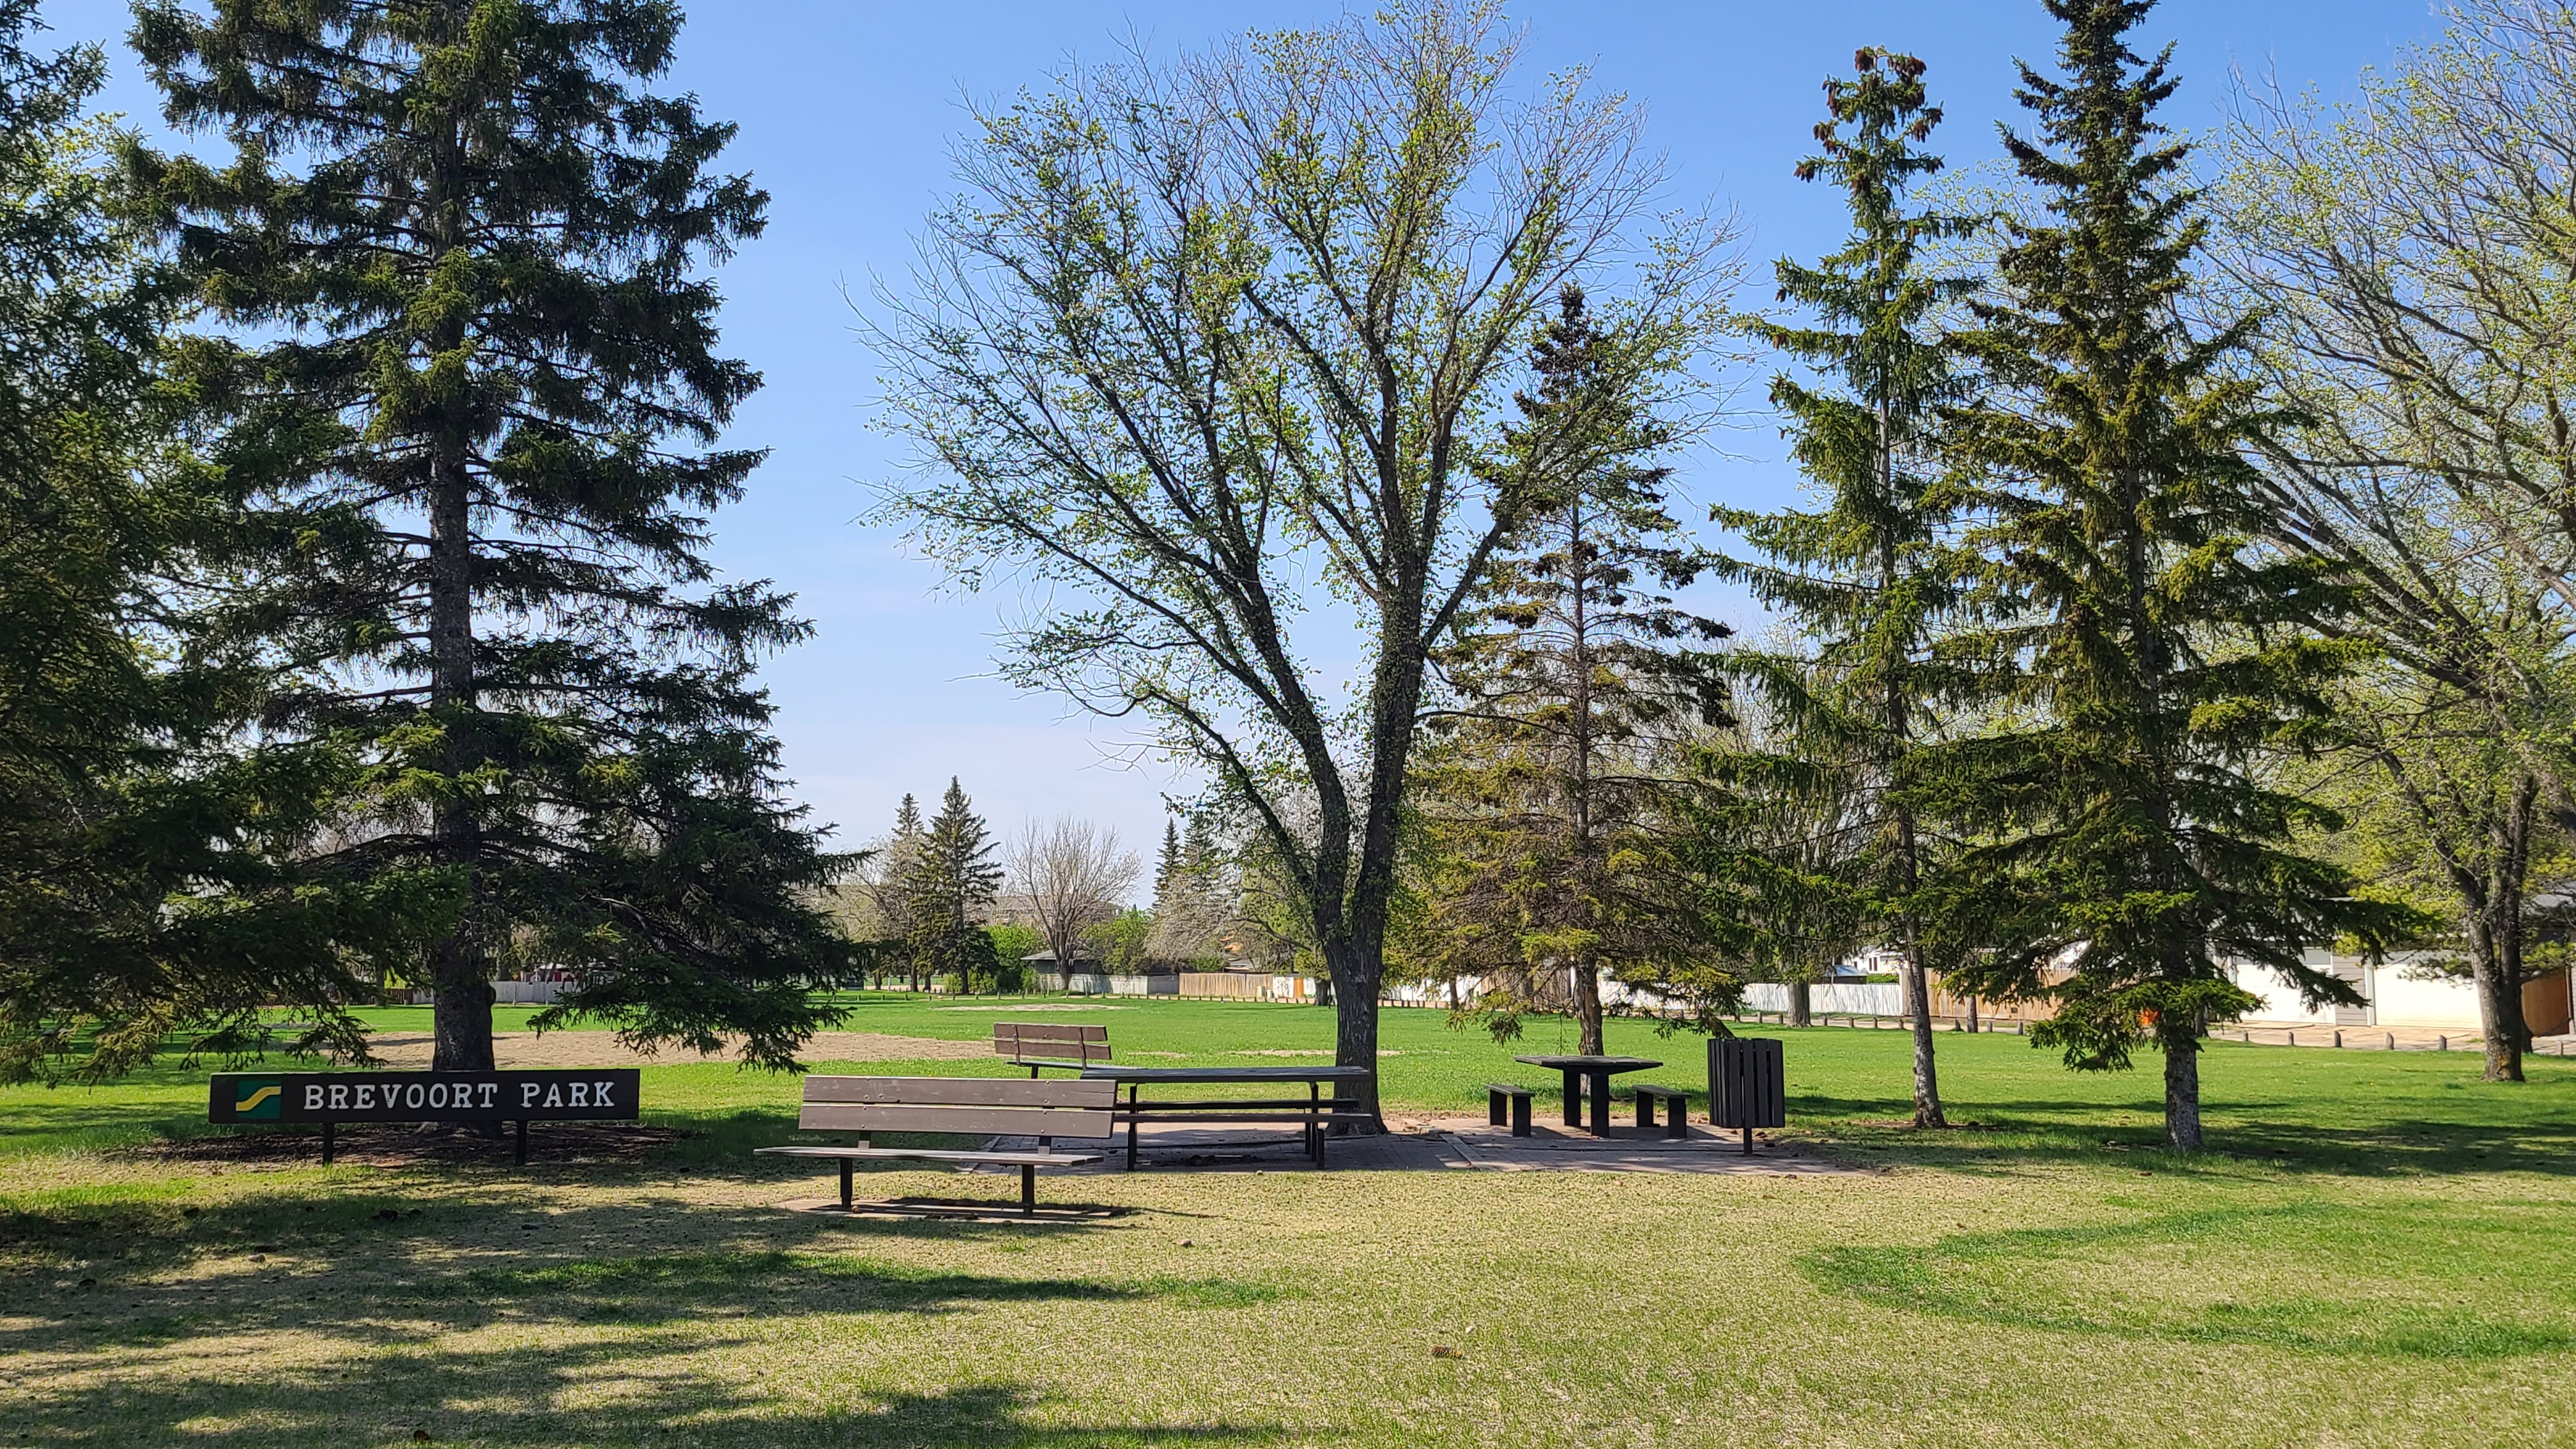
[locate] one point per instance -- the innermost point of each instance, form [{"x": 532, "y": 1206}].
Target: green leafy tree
[
  {"x": 1576, "y": 682},
  {"x": 1787, "y": 829},
  {"x": 469, "y": 381},
  {"x": 1122, "y": 939},
  {"x": 1871, "y": 573},
  {"x": 2408, "y": 244},
  {"x": 163, "y": 869},
  {"x": 2127, "y": 847},
  {"x": 949, "y": 889}
]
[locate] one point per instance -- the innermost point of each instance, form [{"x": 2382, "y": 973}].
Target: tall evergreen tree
[
  {"x": 2128, "y": 849},
  {"x": 161, "y": 869},
  {"x": 1167, "y": 864},
  {"x": 1577, "y": 680},
  {"x": 1194, "y": 903},
  {"x": 470, "y": 381},
  {"x": 1873, "y": 572},
  {"x": 949, "y": 890}
]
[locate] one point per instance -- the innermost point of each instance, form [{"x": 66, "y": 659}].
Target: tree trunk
[
  {"x": 2500, "y": 1018},
  {"x": 2499, "y": 1004},
  {"x": 1587, "y": 1007},
  {"x": 2182, "y": 1093},
  {"x": 1354, "y": 976},
  {"x": 460, "y": 966},
  {"x": 1918, "y": 991},
  {"x": 1918, "y": 982},
  {"x": 1801, "y": 1005}
]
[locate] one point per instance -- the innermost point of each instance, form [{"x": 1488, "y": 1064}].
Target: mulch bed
[{"x": 402, "y": 1145}]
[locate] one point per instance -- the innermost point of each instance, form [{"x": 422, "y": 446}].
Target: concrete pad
[
  {"x": 1556, "y": 1148},
  {"x": 1452, "y": 1145}
]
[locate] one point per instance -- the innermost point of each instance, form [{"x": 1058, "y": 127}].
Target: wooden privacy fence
[{"x": 1246, "y": 986}]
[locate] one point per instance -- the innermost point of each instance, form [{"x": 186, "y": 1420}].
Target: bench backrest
[
  {"x": 1051, "y": 1041},
  {"x": 974, "y": 1105}
]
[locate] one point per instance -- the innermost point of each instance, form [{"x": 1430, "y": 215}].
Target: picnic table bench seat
[
  {"x": 1677, "y": 1108},
  {"x": 1045, "y": 1110},
  {"x": 1511, "y": 1098}
]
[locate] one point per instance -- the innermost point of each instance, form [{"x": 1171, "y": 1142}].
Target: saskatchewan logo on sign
[{"x": 256, "y": 1097}]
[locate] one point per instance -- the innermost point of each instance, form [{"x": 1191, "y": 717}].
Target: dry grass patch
[{"x": 2049, "y": 1304}]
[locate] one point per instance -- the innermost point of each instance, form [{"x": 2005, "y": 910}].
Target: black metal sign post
[{"x": 599, "y": 1094}]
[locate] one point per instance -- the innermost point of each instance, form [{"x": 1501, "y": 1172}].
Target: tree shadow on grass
[
  {"x": 2002, "y": 1137},
  {"x": 339, "y": 1254},
  {"x": 654, "y": 1395},
  {"x": 647, "y": 1317}
]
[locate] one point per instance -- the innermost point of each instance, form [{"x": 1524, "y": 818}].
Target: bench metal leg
[
  {"x": 1520, "y": 1116},
  {"x": 1573, "y": 1097},
  {"x": 1493, "y": 1109},
  {"x": 1600, "y": 1104},
  {"x": 1677, "y": 1117},
  {"x": 1028, "y": 1187},
  {"x": 1132, "y": 1090},
  {"x": 1645, "y": 1110},
  {"x": 845, "y": 1184}
]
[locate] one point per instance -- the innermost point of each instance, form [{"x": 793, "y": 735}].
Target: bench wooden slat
[
  {"x": 926, "y": 1154},
  {"x": 960, "y": 1092},
  {"x": 1002, "y": 1121},
  {"x": 1049, "y": 1031},
  {"x": 1065, "y": 1044}
]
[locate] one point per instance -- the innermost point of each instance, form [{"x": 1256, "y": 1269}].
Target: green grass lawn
[{"x": 2379, "y": 1250}]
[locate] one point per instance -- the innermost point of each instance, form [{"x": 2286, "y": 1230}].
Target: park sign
[
  {"x": 603, "y": 1094},
  {"x": 589, "y": 1094}
]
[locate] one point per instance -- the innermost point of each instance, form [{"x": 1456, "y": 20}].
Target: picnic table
[
  {"x": 1597, "y": 1071},
  {"x": 1315, "y": 1113}
]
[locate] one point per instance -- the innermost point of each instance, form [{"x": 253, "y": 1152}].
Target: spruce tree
[
  {"x": 1576, "y": 681},
  {"x": 2127, "y": 849},
  {"x": 1167, "y": 865},
  {"x": 950, "y": 888},
  {"x": 164, "y": 870},
  {"x": 467, "y": 366},
  {"x": 1193, "y": 903},
  {"x": 1872, "y": 573}
]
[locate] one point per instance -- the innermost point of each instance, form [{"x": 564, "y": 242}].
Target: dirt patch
[
  {"x": 524, "y": 1049},
  {"x": 400, "y": 1144}
]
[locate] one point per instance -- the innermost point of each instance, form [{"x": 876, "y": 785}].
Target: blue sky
[{"x": 847, "y": 110}]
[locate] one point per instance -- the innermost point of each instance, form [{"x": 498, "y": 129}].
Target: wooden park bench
[
  {"x": 1497, "y": 1095},
  {"x": 1676, "y": 1109},
  {"x": 967, "y": 1105},
  {"x": 1035, "y": 1044}
]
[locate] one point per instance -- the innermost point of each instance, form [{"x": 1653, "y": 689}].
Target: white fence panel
[{"x": 1840, "y": 998}]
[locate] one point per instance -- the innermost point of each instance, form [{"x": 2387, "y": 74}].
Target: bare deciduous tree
[
  {"x": 1068, "y": 876},
  {"x": 1207, "y": 346}
]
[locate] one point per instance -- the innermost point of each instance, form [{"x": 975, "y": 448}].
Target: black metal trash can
[{"x": 1747, "y": 1084}]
